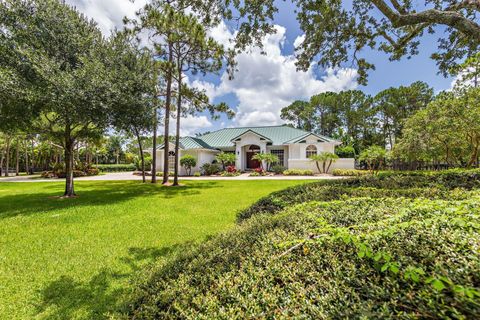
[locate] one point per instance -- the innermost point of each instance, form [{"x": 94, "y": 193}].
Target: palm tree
[{"x": 324, "y": 158}]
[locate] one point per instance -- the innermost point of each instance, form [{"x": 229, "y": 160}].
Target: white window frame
[
  {"x": 311, "y": 150},
  {"x": 281, "y": 159}
]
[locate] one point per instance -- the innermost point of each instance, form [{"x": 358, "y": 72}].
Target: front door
[{"x": 252, "y": 163}]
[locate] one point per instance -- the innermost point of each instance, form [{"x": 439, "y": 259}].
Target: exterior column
[
  {"x": 238, "y": 157},
  {"x": 263, "y": 149}
]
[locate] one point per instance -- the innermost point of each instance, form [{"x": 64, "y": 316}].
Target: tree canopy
[{"x": 61, "y": 57}]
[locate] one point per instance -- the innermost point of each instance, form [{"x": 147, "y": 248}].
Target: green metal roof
[
  {"x": 191, "y": 143},
  {"x": 254, "y": 132},
  {"x": 279, "y": 135},
  {"x": 223, "y": 138},
  {"x": 298, "y": 139},
  {"x": 194, "y": 143}
]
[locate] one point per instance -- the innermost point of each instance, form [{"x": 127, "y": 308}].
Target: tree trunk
[
  {"x": 142, "y": 156},
  {"x": 154, "y": 147},
  {"x": 33, "y": 157},
  {"x": 318, "y": 167},
  {"x": 7, "y": 157},
  {"x": 17, "y": 158},
  {"x": 27, "y": 167},
  {"x": 69, "y": 155},
  {"x": 329, "y": 165},
  {"x": 1, "y": 162},
  {"x": 168, "y": 99},
  {"x": 474, "y": 155},
  {"x": 177, "y": 133}
]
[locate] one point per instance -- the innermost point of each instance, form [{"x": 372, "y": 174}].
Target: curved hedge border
[
  {"x": 398, "y": 253},
  {"x": 373, "y": 258},
  {"x": 409, "y": 184}
]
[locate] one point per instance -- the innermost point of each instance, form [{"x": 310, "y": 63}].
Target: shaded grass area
[{"x": 73, "y": 258}]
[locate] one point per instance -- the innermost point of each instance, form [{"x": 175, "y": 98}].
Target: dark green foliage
[
  {"x": 350, "y": 172},
  {"x": 210, "y": 168},
  {"x": 188, "y": 161},
  {"x": 116, "y": 167},
  {"x": 388, "y": 183},
  {"x": 138, "y": 163},
  {"x": 345, "y": 151},
  {"x": 384, "y": 258},
  {"x": 278, "y": 169}
]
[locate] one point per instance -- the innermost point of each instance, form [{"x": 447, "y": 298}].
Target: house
[{"x": 292, "y": 146}]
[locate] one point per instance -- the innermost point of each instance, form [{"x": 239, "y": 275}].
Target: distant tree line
[
  {"x": 415, "y": 128},
  {"x": 358, "y": 119}
]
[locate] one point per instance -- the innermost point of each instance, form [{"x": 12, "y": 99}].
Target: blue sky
[{"x": 265, "y": 84}]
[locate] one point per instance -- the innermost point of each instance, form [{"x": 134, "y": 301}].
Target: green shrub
[
  {"x": 76, "y": 174},
  {"x": 197, "y": 174},
  {"x": 350, "y": 172},
  {"x": 137, "y": 161},
  {"x": 92, "y": 172},
  {"x": 278, "y": 169},
  {"x": 116, "y": 167},
  {"x": 81, "y": 170},
  {"x": 359, "y": 258},
  {"x": 298, "y": 172},
  {"x": 160, "y": 174},
  {"x": 209, "y": 169},
  {"x": 230, "y": 174},
  {"x": 386, "y": 184},
  {"x": 226, "y": 159},
  {"x": 345, "y": 151},
  {"x": 188, "y": 162}
]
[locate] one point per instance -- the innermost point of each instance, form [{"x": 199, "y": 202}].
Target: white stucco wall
[
  {"x": 202, "y": 156},
  {"x": 305, "y": 164}
]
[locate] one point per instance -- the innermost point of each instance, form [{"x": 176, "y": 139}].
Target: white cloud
[
  {"x": 193, "y": 124},
  {"x": 108, "y": 13},
  {"x": 299, "y": 40},
  {"x": 189, "y": 125},
  {"x": 208, "y": 87},
  {"x": 265, "y": 83},
  {"x": 222, "y": 34}
]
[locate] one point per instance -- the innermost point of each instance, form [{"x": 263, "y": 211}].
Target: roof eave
[{"x": 254, "y": 132}]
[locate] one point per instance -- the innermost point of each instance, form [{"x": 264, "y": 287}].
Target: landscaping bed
[{"x": 387, "y": 246}]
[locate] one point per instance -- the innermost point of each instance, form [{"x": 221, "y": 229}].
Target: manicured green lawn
[{"x": 73, "y": 258}]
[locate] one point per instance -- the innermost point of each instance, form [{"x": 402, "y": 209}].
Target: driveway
[{"x": 118, "y": 176}]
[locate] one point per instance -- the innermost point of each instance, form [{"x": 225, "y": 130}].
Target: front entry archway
[{"x": 251, "y": 151}]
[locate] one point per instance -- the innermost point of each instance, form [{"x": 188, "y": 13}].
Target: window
[
  {"x": 311, "y": 151},
  {"x": 280, "y": 155},
  {"x": 171, "y": 160}
]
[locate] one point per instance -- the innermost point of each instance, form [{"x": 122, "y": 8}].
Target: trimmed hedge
[
  {"x": 387, "y": 246},
  {"x": 386, "y": 184},
  {"x": 116, "y": 167},
  {"x": 297, "y": 172},
  {"x": 350, "y": 172},
  {"x": 359, "y": 258}
]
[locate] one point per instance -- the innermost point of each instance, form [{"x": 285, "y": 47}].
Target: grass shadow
[
  {"x": 67, "y": 298},
  {"x": 91, "y": 193}
]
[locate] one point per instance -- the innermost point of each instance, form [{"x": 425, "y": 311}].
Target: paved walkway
[{"x": 118, "y": 176}]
